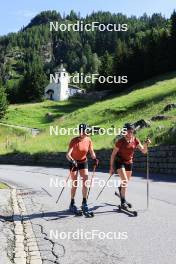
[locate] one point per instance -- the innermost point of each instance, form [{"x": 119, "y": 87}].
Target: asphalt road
[{"x": 148, "y": 238}]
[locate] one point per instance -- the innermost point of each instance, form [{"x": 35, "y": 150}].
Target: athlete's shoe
[
  {"x": 73, "y": 209},
  {"x": 86, "y": 211},
  {"x": 124, "y": 206},
  {"x": 124, "y": 200}
]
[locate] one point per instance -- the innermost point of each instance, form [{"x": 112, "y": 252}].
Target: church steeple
[{"x": 61, "y": 68}]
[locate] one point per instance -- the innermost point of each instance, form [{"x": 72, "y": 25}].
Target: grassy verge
[
  {"x": 11, "y": 138},
  {"x": 35, "y": 115},
  {"x": 3, "y": 186},
  {"x": 143, "y": 102}
]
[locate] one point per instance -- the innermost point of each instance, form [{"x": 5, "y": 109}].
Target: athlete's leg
[
  {"x": 128, "y": 173},
  {"x": 84, "y": 207},
  {"x": 124, "y": 181},
  {"x": 84, "y": 176},
  {"x": 74, "y": 177},
  {"x": 128, "y": 168}
]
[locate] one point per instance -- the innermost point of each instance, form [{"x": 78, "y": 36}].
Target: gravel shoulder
[{"x": 6, "y": 227}]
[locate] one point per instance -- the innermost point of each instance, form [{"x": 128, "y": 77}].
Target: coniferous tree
[
  {"x": 173, "y": 40},
  {"x": 3, "y": 102},
  {"x": 32, "y": 86}
]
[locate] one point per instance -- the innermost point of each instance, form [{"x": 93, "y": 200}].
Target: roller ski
[
  {"x": 128, "y": 204},
  {"x": 119, "y": 195},
  {"x": 125, "y": 206},
  {"x": 125, "y": 209},
  {"x": 85, "y": 211},
  {"x": 74, "y": 210}
]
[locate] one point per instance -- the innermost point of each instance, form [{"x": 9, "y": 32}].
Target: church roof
[
  {"x": 61, "y": 68},
  {"x": 75, "y": 87}
]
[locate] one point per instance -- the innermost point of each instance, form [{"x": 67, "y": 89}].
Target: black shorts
[
  {"x": 126, "y": 166},
  {"x": 81, "y": 166}
]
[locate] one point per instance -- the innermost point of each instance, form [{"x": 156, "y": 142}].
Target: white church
[{"x": 61, "y": 90}]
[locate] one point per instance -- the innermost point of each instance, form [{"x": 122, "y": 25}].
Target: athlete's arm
[
  {"x": 113, "y": 155},
  {"x": 144, "y": 148},
  {"x": 92, "y": 152},
  {"x": 68, "y": 155}
]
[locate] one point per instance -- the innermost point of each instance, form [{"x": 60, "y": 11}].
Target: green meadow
[{"x": 142, "y": 101}]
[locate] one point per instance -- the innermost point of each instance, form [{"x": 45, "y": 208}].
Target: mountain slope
[
  {"x": 146, "y": 49},
  {"x": 143, "y": 102}
]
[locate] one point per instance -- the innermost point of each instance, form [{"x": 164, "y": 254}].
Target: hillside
[
  {"x": 144, "y": 50},
  {"x": 143, "y": 102}
]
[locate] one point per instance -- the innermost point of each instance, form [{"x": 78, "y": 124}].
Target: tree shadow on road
[
  {"x": 156, "y": 177},
  {"x": 51, "y": 216},
  {"x": 8, "y": 218}
]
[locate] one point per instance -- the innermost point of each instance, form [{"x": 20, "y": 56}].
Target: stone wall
[
  {"x": 42, "y": 159},
  {"x": 162, "y": 159}
]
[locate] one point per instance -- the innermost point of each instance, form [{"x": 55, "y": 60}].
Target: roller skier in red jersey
[{"x": 122, "y": 159}]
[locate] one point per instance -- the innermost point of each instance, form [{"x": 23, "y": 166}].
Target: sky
[{"x": 17, "y": 13}]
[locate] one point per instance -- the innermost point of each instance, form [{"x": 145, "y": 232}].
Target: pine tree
[
  {"x": 32, "y": 86},
  {"x": 3, "y": 102},
  {"x": 105, "y": 70},
  {"x": 173, "y": 41},
  {"x": 173, "y": 26}
]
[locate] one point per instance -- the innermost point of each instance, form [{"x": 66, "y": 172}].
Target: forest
[{"x": 28, "y": 57}]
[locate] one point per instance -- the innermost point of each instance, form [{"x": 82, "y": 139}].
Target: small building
[{"x": 61, "y": 90}]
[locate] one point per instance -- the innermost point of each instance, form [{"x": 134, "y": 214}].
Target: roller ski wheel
[
  {"x": 126, "y": 209},
  {"x": 74, "y": 210},
  {"x": 86, "y": 212},
  {"x": 129, "y": 204}
]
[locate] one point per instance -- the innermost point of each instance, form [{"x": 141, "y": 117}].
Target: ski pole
[
  {"x": 104, "y": 186},
  {"x": 148, "y": 179},
  {"x": 64, "y": 186},
  {"x": 93, "y": 175},
  {"x": 62, "y": 190}
]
